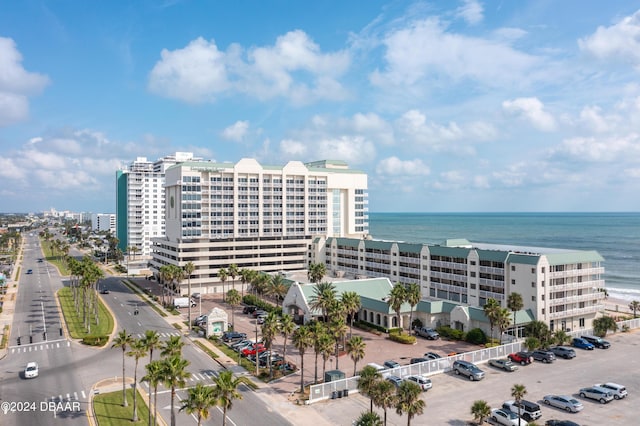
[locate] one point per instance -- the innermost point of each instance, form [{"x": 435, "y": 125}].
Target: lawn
[
  {"x": 74, "y": 321},
  {"x": 56, "y": 259},
  {"x": 110, "y": 412}
]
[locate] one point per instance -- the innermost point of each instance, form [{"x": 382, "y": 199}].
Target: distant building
[
  {"x": 258, "y": 217},
  {"x": 103, "y": 222},
  {"x": 140, "y": 201}
]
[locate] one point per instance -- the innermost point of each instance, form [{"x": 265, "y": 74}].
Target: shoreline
[{"x": 617, "y": 305}]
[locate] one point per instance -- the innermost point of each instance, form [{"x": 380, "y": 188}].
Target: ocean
[{"x": 616, "y": 236}]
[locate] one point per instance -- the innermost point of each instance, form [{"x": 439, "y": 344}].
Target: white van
[{"x": 382, "y": 370}]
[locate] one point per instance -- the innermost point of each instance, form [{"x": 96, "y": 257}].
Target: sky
[{"x": 448, "y": 106}]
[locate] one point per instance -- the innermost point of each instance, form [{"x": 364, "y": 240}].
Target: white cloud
[
  {"x": 294, "y": 68},
  {"x": 426, "y": 48},
  {"x": 16, "y": 84},
  {"x": 395, "y": 166},
  {"x": 509, "y": 33},
  {"x": 293, "y": 148},
  {"x": 533, "y": 111},
  {"x": 592, "y": 117},
  {"x": 599, "y": 150},
  {"x": 618, "y": 41},
  {"x": 471, "y": 11},
  {"x": 352, "y": 149},
  {"x": 237, "y": 131}
]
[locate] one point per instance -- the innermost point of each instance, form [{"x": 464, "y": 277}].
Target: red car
[
  {"x": 523, "y": 358},
  {"x": 251, "y": 350}
]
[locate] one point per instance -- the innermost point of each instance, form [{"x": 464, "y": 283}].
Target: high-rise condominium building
[
  {"x": 255, "y": 217},
  {"x": 140, "y": 201},
  {"x": 103, "y": 222}
]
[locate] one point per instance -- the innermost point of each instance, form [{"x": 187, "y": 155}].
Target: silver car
[
  {"x": 503, "y": 364},
  {"x": 564, "y": 402},
  {"x": 618, "y": 391},
  {"x": 424, "y": 383},
  {"x": 599, "y": 394}
]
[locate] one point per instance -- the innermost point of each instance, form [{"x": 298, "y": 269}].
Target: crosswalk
[
  {"x": 205, "y": 376},
  {"x": 176, "y": 333},
  {"x": 43, "y": 346},
  {"x": 68, "y": 397}
]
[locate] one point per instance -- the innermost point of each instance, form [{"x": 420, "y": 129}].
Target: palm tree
[
  {"x": 368, "y": 418},
  {"x": 515, "y": 303},
  {"x": 384, "y": 396},
  {"x": 277, "y": 288},
  {"x": 316, "y": 272},
  {"x": 222, "y": 276},
  {"x": 225, "y": 391},
  {"x": 355, "y": 349},
  {"x": 490, "y": 308},
  {"x": 154, "y": 377},
  {"x": 325, "y": 347},
  {"x": 503, "y": 320},
  {"x": 287, "y": 326},
  {"x": 369, "y": 376},
  {"x": 172, "y": 347},
  {"x": 351, "y": 303},
  {"x": 518, "y": 392},
  {"x": 561, "y": 337},
  {"x": 635, "y": 307},
  {"x": 199, "y": 400},
  {"x": 531, "y": 343},
  {"x": 480, "y": 411},
  {"x": 123, "y": 340},
  {"x": 339, "y": 330},
  {"x": 396, "y": 298},
  {"x": 151, "y": 341},
  {"x": 323, "y": 296},
  {"x": 412, "y": 298},
  {"x": 302, "y": 339},
  {"x": 233, "y": 272},
  {"x": 174, "y": 376},
  {"x": 188, "y": 269},
  {"x": 233, "y": 299},
  {"x": 138, "y": 350},
  {"x": 245, "y": 277},
  {"x": 270, "y": 329},
  {"x": 409, "y": 401}
]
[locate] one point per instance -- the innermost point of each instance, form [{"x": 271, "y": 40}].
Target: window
[
  {"x": 543, "y": 269},
  {"x": 581, "y": 322},
  {"x": 473, "y": 274},
  {"x": 533, "y": 270},
  {"x": 542, "y": 297},
  {"x": 533, "y": 298},
  {"x": 533, "y": 284},
  {"x": 472, "y": 286},
  {"x": 542, "y": 311},
  {"x": 513, "y": 282},
  {"x": 513, "y": 267}
]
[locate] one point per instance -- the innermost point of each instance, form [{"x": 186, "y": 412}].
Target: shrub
[
  {"x": 250, "y": 299},
  {"x": 476, "y": 336},
  {"x": 406, "y": 339},
  {"x": 450, "y": 333},
  {"x": 369, "y": 326},
  {"x": 95, "y": 340},
  {"x": 417, "y": 323}
]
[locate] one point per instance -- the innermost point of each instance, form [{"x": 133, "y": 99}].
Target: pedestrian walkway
[{"x": 41, "y": 346}]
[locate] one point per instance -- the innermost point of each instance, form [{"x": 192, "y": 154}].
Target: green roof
[
  {"x": 373, "y": 288},
  {"x": 410, "y": 247},
  {"x": 571, "y": 257},
  {"x": 524, "y": 259},
  {"x": 456, "y": 242},
  {"x": 345, "y": 242},
  {"x": 378, "y": 245},
  {"x": 449, "y": 251},
  {"x": 493, "y": 255}
]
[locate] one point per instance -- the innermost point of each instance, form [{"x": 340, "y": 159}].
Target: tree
[
  {"x": 137, "y": 351},
  {"x": 635, "y": 307},
  {"x": 413, "y": 298},
  {"x": 561, "y": 337},
  {"x": 270, "y": 329},
  {"x": 540, "y": 330},
  {"x": 222, "y": 276},
  {"x": 604, "y": 324},
  {"x": 351, "y": 303},
  {"x": 515, "y": 303},
  {"x": 369, "y": 376},
  {"x": 151, "y": 341},
  {"x": 123, "y": 340},
  {"x": 355, "y": 349},
  {"x": 384, "y": 396},
  {"x": 199, "y": 400},
  {"x": 503, "y": 320},
  {"x": 276, "y": 288},
  {"x": 408, "y": 400},
  {"x": 233, "y": 273},
  {"x": 490, "y": 311},
  {"x": 323, "y": 296},
  {"x": 154, "y": 377},
  {"x": 396, "y": 298},
  {"x": 339, "y": 330},
  {"x": 174, "y": 375},
  {"x": 518, "y": 392},
  {"x": 316, "y": 272},
  {"x": 368, "y": 418},
  {"x": 245, "y": 277},
  {"x": 226, "y": 391},
  {"x": 287, "y": 326},
  {"x": 233, "y": 299},
  {"x": 302, "y": 339},
  {"x": 480, "y": 411},
  {"x": 532, "y": 343},
  {"x": 172, "y": 347},
  {"x": 188, "y": 269}
]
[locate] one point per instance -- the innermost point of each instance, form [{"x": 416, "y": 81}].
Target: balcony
[
  {"x": 577, "y": 272},
  {"x": 448, "y": 276},
  {"x": 449, "y": 265},
  {"x": 576, "y": 312},
  {"x": 572, "y": 286},
  {"x": 575, "y": 299}
]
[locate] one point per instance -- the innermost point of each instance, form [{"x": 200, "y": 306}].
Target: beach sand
[{"x": 617, "y": 307}]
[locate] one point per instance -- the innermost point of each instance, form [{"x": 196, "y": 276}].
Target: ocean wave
[{"x": 624, "y": 293}]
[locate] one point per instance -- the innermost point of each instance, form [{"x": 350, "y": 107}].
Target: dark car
[
  {"x": 560, "y": 423},
  {"x": 598, "y": 342},
  {"x": 249, "y": 309},
  {"x": 419, "y": 360},
  {"x": 391, "y": 364},
  {"x": 543, "y": 355},
  {"x": 582, "y": 344},
  {"x": 432, "y": 355},
  {"x": 29, "y": 271},
  {"x": 523, "y": 358},
  {"x": 233, "y": 335},
  {"x": 563, "y": 352},
  {"x": 104, "y": 290}
]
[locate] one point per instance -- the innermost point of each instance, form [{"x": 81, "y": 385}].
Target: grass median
[
  {"x": 110, "y": 412},
  {"x": 74, "y": 322}
]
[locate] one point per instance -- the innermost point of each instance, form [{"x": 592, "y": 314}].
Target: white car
[
  {"x": 564, "y": 402},
  {"x": 424, "y": 383},
  {"x": 507, "y": 418},
  {"x": 597, "y": 393},
  {"x": 618, "y": 391},
  {"x": 31, "y": 371}
]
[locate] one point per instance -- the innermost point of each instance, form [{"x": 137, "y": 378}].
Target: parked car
[
  {"x": 424, "y": 383},
  {"x": 468, "y": 369},
  {"x": 241, "y": 344},
  {"x": 196, "y": 296},
  {"x": 391, "y": 364},
  {"x": 503, "y": 364},
  {"x": 596, "y": 341},
  {"x": 564, "y": 402},
  {"x": 200, "y": 319},
  {"x": 253, "y": 348},
  {"x": 261, "y": 318},
  {"x": 229, "y": 336},
  {"x": 395, "y": 380},
  {"x": 543, "y": 355},
  {"x": 522, "y": 358},
  {"x": 560, "y": 423},
  {"x": 563, "y": 352},
  {"x": 419, "y": 360},
  {"x": 31, "y": 371},
  {"x": 527, "y": 410},
  {"x": 580, "y": 343},
  {"x": 505, "y": 417},
  {"x": 29, "y": 271},
  {"x": 432, "y": 355},
  {"x": 426, "y": 332},
  {"x": 249, "y": 309},
  {"x": 258, "y": 312},
  {"x": 618, "y": 391},
  {"x": 599, "y": 394},
  {"x": 104, "y": 290}
]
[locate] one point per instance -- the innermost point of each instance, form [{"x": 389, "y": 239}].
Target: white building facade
[
  {"x": 257, "y": 217},
  {"x": 103, "y": 222}
]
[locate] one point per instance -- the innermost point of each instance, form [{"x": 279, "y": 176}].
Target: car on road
[
  {"x": 522, "y": 358},
  {"x": 31, "y": 371},
  {"x": 554, "y": 422},
  {"x": 432, "y": 355},
  {"x": 599, "y": 394},
  {"x": 424, "y": 383},
  {"x": 580, "y": 343},
  {"x": 391, "y": 364},
  {"x": 596, "y": 341},
  {"x": 563, "y": 402},
  {"x": 428, "y": 333},
  {"x": 563, "y": 352},
  {"x": 104, "y": 290},
  {"x": 468, "y": 369},
  {"x": 40, "y": 260},
  {"x": 229, "y": 336},
  {"x": 526, "y": 409},
  {"x": 503, "y": 364},
  {"x": 618, "y": 391},
  {"x": 397, "y": 381},
  {"x": 543, "y": 355},
  {"x": 29, "y": 271},
  {"x": 505, "y": 417}
]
